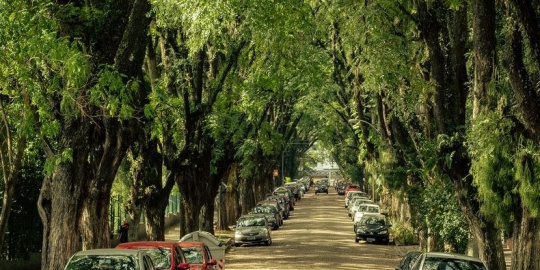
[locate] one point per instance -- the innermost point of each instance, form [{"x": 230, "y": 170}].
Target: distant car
[
  {"x": 271, "y": 213},
  {"x": 165, "y": 255},
  {"x": 110, "y": 259},
  {"x": 352, "y": 188},
  {"x": 321, "y": 189},
  {"x": 286, "y": 192},
  {"x": 352, "y": 194},
  {"x": 373, "y": 228},
  {"x": 283, "y": 203},
  {"x": 408, "y": 260},
  {"x": 354, "y": 203},
  {"x": 198, "y": 255},
  {"x": 275, "y": 204},
  {"x": 252, "y": 229},
  {"x": 443, "y": 261}
]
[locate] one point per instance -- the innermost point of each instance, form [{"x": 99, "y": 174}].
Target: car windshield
[
  {"x": 193, "y": 254},
  {"x": 160, "y": 256},
  {"x": 434, "y": 263},
  {"x": 368, "y": 209},
  {"x": 264, "y": 209},
  {"x": 251, "y": 221},
  {"x": 367, "y": 220},
  {"x": 102, "y": 262}
]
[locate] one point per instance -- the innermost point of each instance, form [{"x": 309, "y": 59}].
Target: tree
[{"x": 83, "y": 58}]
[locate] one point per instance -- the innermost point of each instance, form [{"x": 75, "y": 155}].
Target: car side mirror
[
  {"x": 212, "y": 262},
  {"x": 183, "y": 266}
]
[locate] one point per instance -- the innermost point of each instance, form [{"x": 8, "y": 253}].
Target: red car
[
  {"x": 165, "y": 255},
  {"x": 198, "y": 255},
  {"x": 351, "y": 188}
]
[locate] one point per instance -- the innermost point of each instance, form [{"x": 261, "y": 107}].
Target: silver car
[
  {"x": 109, "y": 259},
  {"x": 252, "y": 229},
  {"x": 443, "y": 261}
]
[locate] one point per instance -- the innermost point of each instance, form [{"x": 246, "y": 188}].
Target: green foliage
[
  {"x": 493, "y": 151},
  {"x": 444, "y": 217},
  {"x": 403, "y": 233}
]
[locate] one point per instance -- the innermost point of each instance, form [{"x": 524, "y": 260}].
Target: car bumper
[
  {"x": 251, "y": 239},
  {"x": 372, "y": 237}
]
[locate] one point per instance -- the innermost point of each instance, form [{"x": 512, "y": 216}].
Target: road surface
[{"x": 318, "y": 235}]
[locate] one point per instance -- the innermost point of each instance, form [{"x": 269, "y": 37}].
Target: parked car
[
  {"x": 252, "y": 228},
  {"x": 373, "y": 228},
  {"x": 295, "y": 190},
  {"x": 365, "y": 208},
  {"x": 165, "y": 255},
  {"x": 355, "y": 203},
  {"x": 271, "y": 213},
  {"x": 287, "y": 192},
  {"x": 283, "y": 204},
  {"x": 352, "y": 194},
  {"x": 110, "y": 259},
  {"x": 443, "y": 261},
  {"x": 353, "y": 187},
  {"x": 277, "y": 206},
  {"x": 198, "y": 255},
  {"x": 408, "y": 260},
  {"x": 322, "y": 188}
]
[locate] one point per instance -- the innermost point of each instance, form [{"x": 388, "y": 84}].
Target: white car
[
  {"x": 365, "y": 208},
  {"x": 353, "y": 205},
  {"x": 110, "y": 258},
  {"x": 352, "y": 194}
]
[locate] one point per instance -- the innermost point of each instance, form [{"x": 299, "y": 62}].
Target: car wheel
[
  {"x": 269, "y": 242},
  {"x": 236, "y": 244},
  {"x": 356, "y": 240}
]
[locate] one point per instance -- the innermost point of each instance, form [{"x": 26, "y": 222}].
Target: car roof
[
  {"x": 370, "y": 204},
  {"x": 156, "y": 244},
  {"x": 374, "y": 215},
  {"x": 191, "y": 244},
  {"x": 451, "y": 255},
  {"x": 253, "y": 215},
  {"x": 110, "y": 251}
]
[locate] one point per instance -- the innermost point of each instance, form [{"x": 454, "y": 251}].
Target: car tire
[
  {"x": 356, "y": 240},
  {"x": 269, "y": 242},
  {"x": 236, "y": 244}
]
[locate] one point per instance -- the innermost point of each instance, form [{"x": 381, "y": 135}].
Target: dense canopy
[{"x": 431, "y": 104}]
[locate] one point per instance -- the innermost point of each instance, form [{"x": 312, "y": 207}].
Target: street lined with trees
[{"x": 432, "y": 105}]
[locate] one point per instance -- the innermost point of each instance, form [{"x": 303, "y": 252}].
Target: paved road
[{"x": 318, "y": 235}]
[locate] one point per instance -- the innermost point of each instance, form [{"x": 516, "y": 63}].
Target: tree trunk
[
  {"x": 155, "y": 219},
  {"x": 526, "y": 244},
  {"x": 484, "y": 52}
]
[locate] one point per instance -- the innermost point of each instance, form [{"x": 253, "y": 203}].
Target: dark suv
[{"x": 321, "y": 189}]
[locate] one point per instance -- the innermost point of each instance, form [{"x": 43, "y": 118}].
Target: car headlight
[
  {"x": 383, "y": 232},
  {"x": 238, "y": 233},
  {"x": 264, "y": 232}
]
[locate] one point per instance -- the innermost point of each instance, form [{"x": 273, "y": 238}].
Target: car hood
[
  {"x": 373, "y": 228},
  {"x": 250, "y": 230}
]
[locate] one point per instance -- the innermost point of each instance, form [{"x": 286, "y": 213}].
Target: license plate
[
  {"x": 251, "y": 238},
  {"x": 371, "y": 239}
]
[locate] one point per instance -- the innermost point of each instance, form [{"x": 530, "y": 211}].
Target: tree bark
[
  {"x": 526, "y": 235},
  {"x": 484, "y": 52}
]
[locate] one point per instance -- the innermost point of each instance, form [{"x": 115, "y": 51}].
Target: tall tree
[{"x": 85, "y": 74}]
